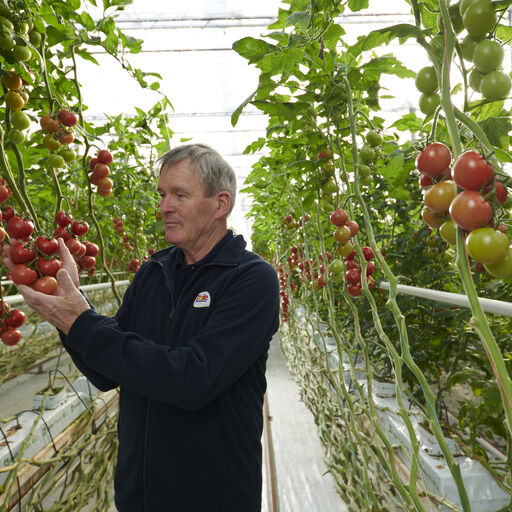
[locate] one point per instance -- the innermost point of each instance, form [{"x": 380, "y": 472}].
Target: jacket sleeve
[
  {"x": 99, "y": 380},
  {"x": 238, "y": 331}
]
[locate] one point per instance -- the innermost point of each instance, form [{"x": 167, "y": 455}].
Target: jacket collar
[{"x": 231, "y": 253}]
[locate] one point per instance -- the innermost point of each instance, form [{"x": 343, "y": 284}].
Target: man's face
[{"x": 188, "y": 216}]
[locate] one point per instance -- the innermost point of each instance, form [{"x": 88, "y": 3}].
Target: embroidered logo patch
[{"x": 202, "y": 300}]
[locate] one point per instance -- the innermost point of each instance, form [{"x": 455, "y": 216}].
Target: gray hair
[{"x": 216, "y": 174}]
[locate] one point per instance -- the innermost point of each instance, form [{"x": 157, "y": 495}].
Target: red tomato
[
  {"x": 354, "y": 290},
  {"x": 93, "y": 249},
  {"x": 100, "y": 171},
  {"x": 426, "y": 181},
  {"x": 339, "y": 217},
  {"x": 21, "y": 254},
  {"x": 68, "y": 118},
  {"x": 471, "y": 171},
  {"x": 74, "y": 246},
  {"x": 47, "y": 245},
  {"x": 62, "y": 232},
  {"x": 367, "y": 253},
  {"x": 49, "y": 267},
  {"x": 87, "y": 262},
  {"x": 63, "y": 218},
  {"x": 21, "y": 274},
  {"x": 434, "y": 159},
  {"x": 4, "y": 193},
  {"x": 370, "y": 268},
  {"x": 15, "y": 319},
  {"x": 93, "y": 162},
  {"x": 500, "y": 191},
  {"x": 19, "y": 228},
  {"x": 470, "y": 210},
  {"x": 11, "y": 337},
  {"x": 353, "y": 276},
  {"x": 46, "y": 285},
  {"x": 353, "y": 226},
  {"x": 79, "y": 227},
  {"x": 49, "y": 124},
  {"x": 7, "y": 213},
  {"x": 105, "y": 156},
  {"x": 350, "y": 264}
]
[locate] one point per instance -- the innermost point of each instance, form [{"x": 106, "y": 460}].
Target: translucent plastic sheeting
[{"x": 301, "y": 478}]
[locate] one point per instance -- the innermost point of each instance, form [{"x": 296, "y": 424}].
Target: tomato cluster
[
  {"x": 478, "y": 17},
  {"x": 16, "y": 96},
  {"x": 283, "y": 283},
  {"x": 10, "y": 321},
  {"x": 354, "y": 271},
  {"x": 59, "y": 135},
  {"x": 471, "y": 209},
  {"x": 99, "y": 166},
  {"x": 345, "y": 230},
  {"x": 368, "y": 154}
]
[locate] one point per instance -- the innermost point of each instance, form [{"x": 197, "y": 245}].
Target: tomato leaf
[
  {"x": 332, "y": 35},
  {"x": 358, "y": 5},
  {"x": 252, "y": 49},
  {"x": 497, "y": 130},
  {"x": 403, "y": 31}
]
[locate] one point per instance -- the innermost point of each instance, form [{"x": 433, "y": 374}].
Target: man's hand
[{"x": 63, "y": 308}]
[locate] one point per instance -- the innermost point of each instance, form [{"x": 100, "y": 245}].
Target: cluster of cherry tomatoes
[
  {"x": 285, "y": 301},
  {"x": 478, "y": 18},
  {"x": 467, "y": 196},
  {"x": 16, "y": 96},
  {"x": 345, "y": 230},
  {"x": 10, "y": 322},
  {"x": 99, "y": 166},
  {"x": 59, "y": 135},
  {"x": 118, "y": 225}
]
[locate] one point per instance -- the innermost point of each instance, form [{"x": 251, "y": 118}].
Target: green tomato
[
  {"x": 495, "y": 85},
  {"x": 426, "y": 80},
  {"x": 475, "y": 79},
  {"x": 367, "y": 153},
  {"x": 374, "y": 138},
  {"x": 22, "y": 53},
  {"x": 448, "y": 232},
  {"x": 34, "y": 37},
  {"x": 364, "y": 170},
  {"x": 464, "y": 4},
  {"x": 21, "y": 27},
  {"x": 16, "y": 136},
  {"x": 4, "y": 22},
  {"x": 68, "y": 154},
  {"x": 486, "y": 245},
  {"x": 428, "y": 103},
  {"x": 488, "y": 55},
  {"x": 6, "y": 41},
  {"x": 55, "y": 161},
  {"x": 330, "y": 188},
  {"x": 20, "y": 120},
  {"x": 503, "y": 268},
  {"x": 479, "y": 18},
  {"x": 467, "y": 46}
]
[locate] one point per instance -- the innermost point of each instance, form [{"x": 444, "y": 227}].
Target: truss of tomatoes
[
  {"x": 99, "y": 166},
  {"x": 10, "y": 321},
  {"x": 345, "y": 231},
  {"x": 467, "y": 196},
  {"x": 36, "y": 260}
]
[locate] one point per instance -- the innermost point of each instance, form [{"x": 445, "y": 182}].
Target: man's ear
[{"x": 223, "y": 204}]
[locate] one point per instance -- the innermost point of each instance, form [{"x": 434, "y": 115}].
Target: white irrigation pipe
[
  {"x": 488, "y": 305},
  {"x": 18, "y": 299}
]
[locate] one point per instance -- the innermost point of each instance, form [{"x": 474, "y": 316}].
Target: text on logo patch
[{"x": 202, "y": 300}]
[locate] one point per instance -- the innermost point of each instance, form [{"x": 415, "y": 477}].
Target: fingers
[
  {"x": 65, "y": 255},
  {"x": 65, "y": 282}
]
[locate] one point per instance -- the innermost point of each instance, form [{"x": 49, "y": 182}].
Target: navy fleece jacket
[{"x": 191, "y": 373}]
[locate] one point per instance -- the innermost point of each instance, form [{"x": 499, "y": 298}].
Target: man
[{"x": 188, "y": 348}]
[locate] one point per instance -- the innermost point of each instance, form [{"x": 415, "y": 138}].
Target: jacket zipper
[{"x": 167, "y": 331}]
